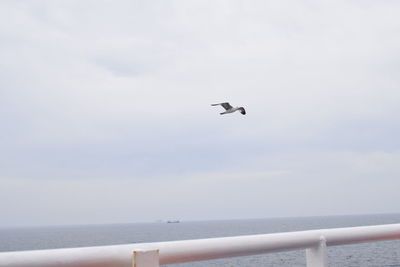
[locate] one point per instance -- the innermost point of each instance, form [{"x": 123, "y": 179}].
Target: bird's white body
[{"x": 231, "y": 110}]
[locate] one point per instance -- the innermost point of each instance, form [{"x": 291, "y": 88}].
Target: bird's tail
[{"x": 215, "y": 104}]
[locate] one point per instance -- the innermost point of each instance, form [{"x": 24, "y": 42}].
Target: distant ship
[{"x": 174, "y": 221}]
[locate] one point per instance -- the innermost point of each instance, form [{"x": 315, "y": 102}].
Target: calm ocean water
[{"x": 385, "y": 253}]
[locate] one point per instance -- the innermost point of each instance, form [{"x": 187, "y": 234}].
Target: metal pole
[{"x": 317, "y": 256}]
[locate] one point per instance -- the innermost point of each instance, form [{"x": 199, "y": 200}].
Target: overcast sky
[{"x": 105, "y": 112}]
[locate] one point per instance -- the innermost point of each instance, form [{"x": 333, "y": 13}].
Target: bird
[{"x": 230, "y": 109}]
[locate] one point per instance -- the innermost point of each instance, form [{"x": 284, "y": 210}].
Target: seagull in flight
[{"x": 229, "y": 108}]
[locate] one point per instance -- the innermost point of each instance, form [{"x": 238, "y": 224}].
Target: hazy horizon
[{"x": 198, "y": 220}]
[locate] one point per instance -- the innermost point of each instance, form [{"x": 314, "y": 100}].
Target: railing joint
[{"x": 146, "y": 258}]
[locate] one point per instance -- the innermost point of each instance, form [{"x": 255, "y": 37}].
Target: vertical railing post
[
  {"x": 146, "y": 258},
  {"x": 317, "y": 256}
]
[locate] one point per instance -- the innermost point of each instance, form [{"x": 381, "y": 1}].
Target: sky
[{"x": 105, "y": 110}]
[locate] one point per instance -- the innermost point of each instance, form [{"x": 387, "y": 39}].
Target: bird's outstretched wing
[{"x": 225, "y": 105}]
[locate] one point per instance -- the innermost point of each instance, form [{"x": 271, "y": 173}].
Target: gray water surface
[{"x": 385, "y": 253}]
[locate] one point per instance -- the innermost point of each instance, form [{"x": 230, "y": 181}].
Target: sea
[{"x": 377, "y": 254}]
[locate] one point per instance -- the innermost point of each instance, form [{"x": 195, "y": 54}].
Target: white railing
[{"x": 154, "y": 254}]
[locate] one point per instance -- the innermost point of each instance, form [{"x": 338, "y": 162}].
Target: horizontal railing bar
[{"x": 200, "y": 249}]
